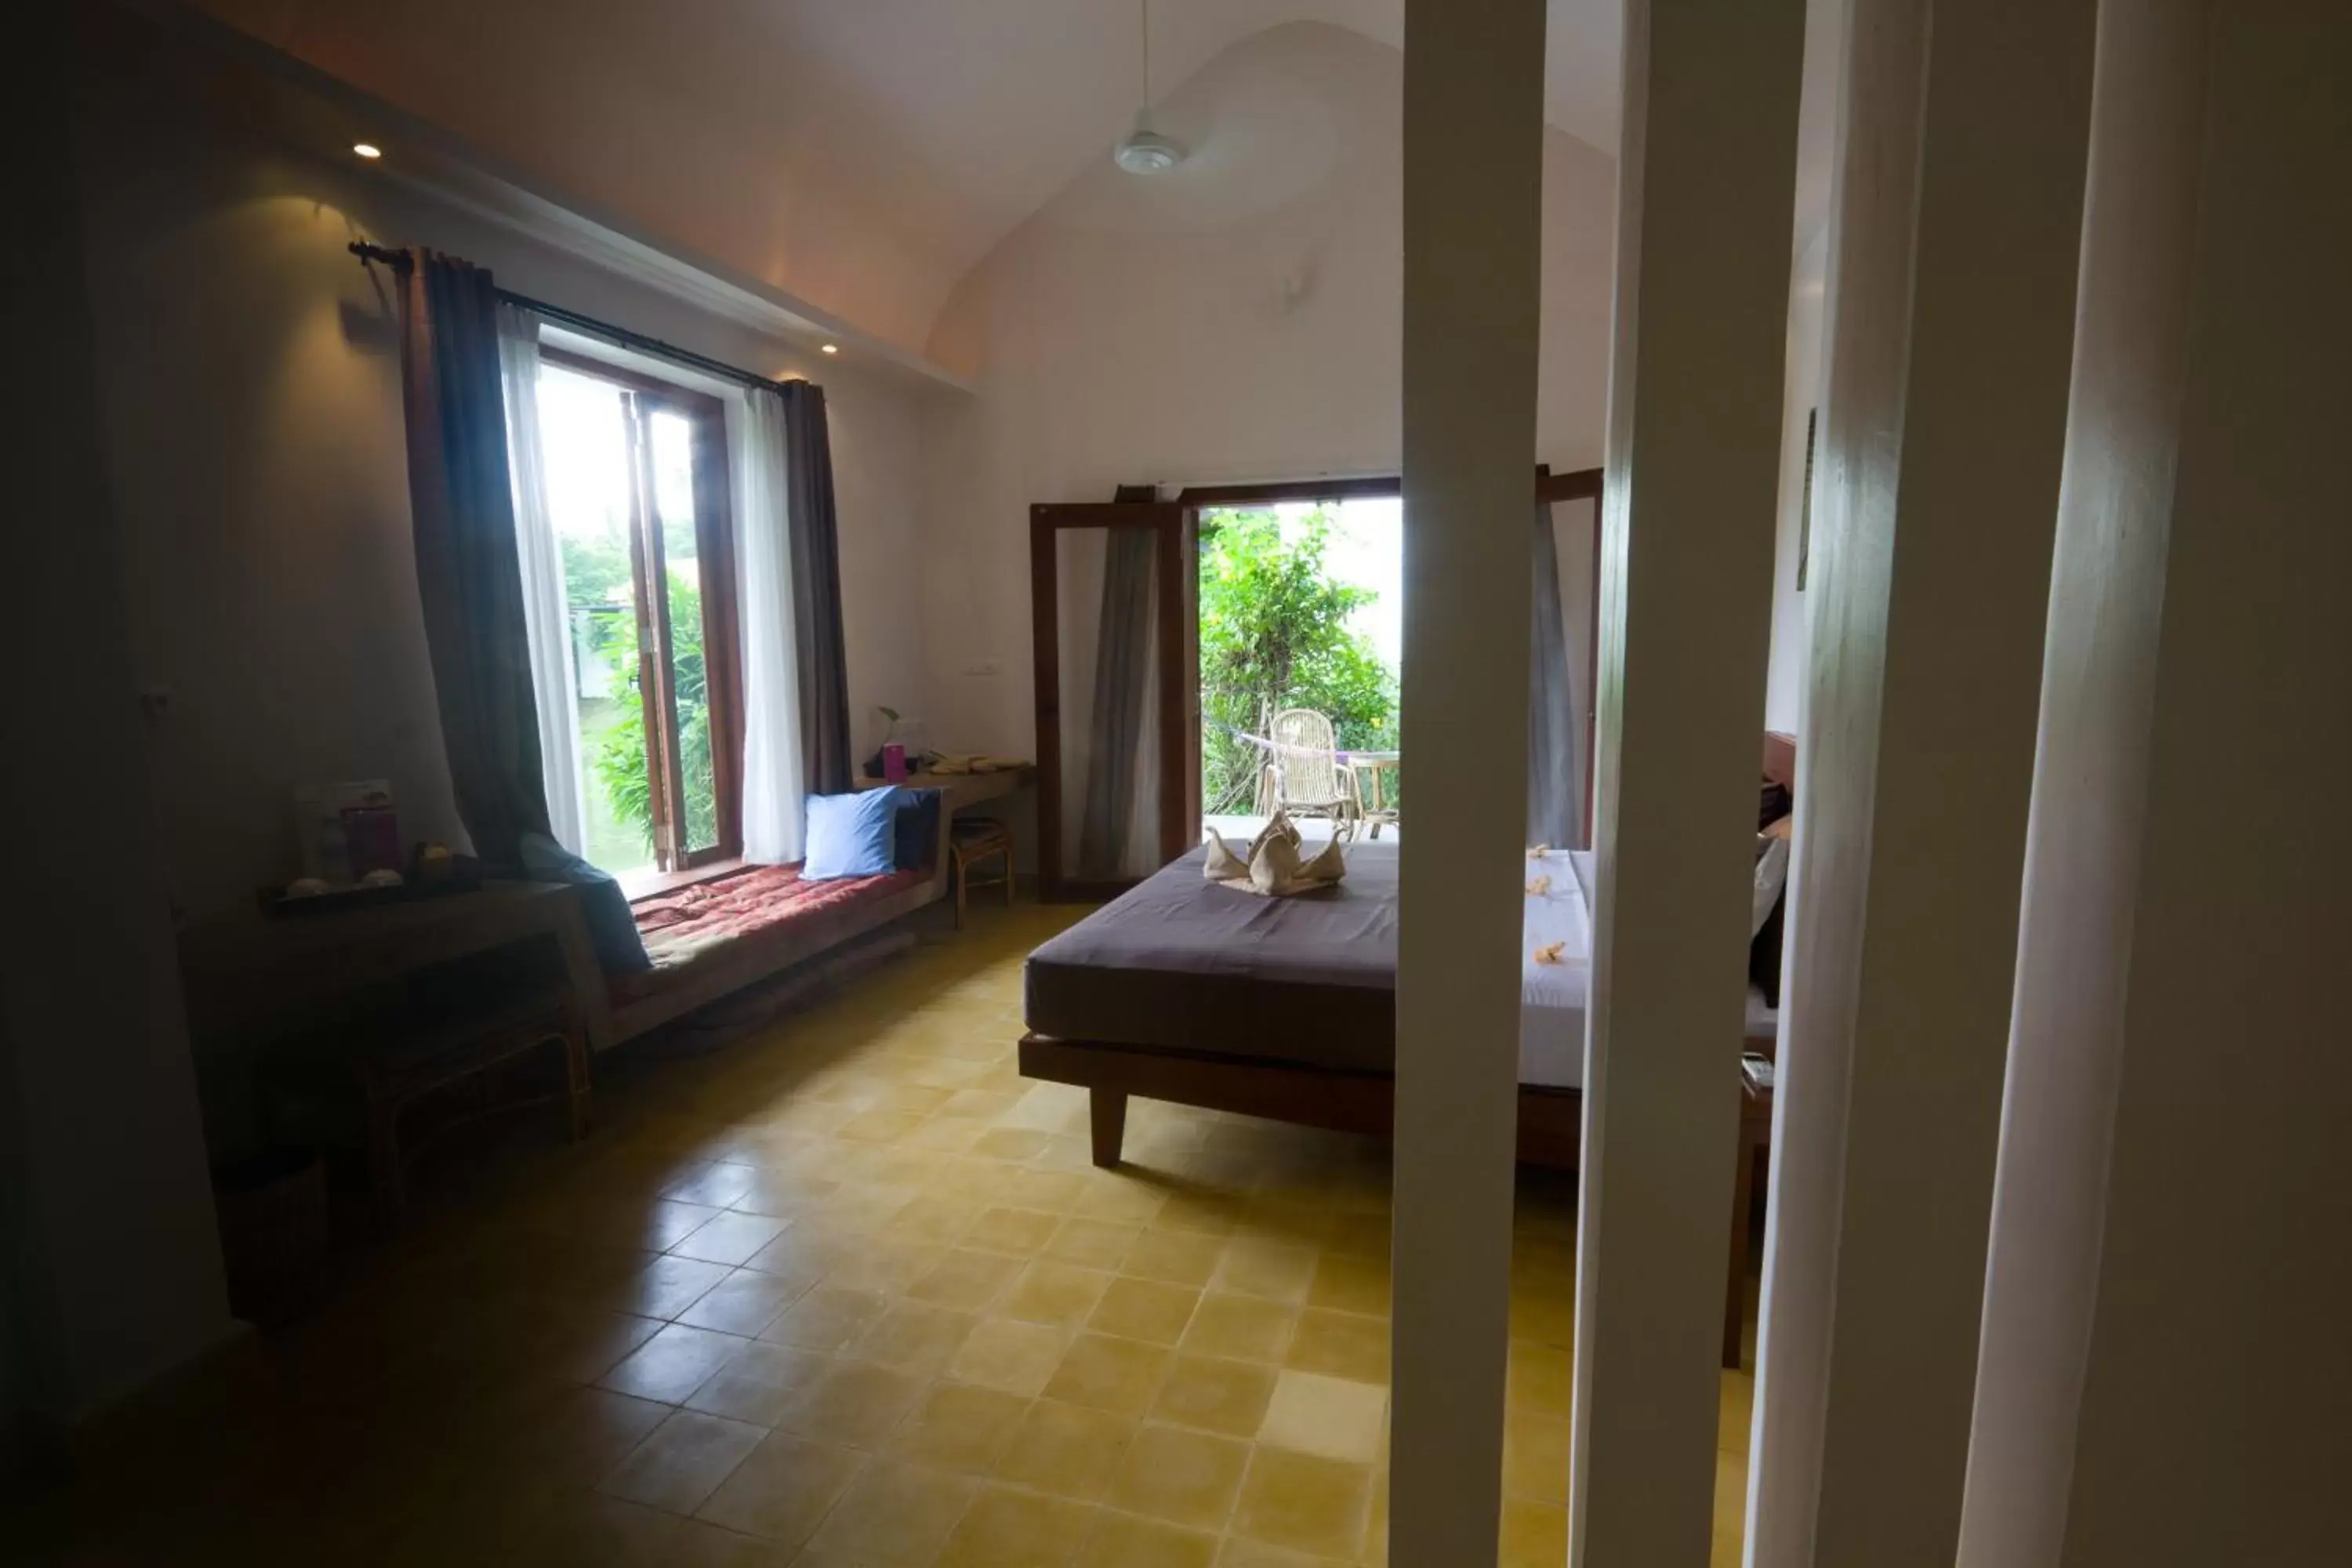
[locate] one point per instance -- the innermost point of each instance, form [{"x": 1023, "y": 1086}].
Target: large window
[{"x": 638, "y": 493}]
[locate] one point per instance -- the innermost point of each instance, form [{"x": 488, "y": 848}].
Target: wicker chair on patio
[{"x": 1304, "y": 775}]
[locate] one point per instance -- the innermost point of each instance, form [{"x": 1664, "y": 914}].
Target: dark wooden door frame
[
  {"x": 1176, "y": 524},
  {"x": 1170, "y": 523}
]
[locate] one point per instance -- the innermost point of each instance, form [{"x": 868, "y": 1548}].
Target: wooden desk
[
  {"x": 239, "y": 971},
  {"x": 960, "y": 790}
]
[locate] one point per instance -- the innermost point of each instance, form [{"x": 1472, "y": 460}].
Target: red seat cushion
[{"x": 683, "y": 926}]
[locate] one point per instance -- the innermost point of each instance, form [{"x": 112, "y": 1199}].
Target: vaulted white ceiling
[{"x": 863, "y": 154}]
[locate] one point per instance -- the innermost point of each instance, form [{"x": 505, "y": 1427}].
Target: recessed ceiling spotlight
[
  {"x": 367, "y": 148},
  {"x": 830, "y": 349}
]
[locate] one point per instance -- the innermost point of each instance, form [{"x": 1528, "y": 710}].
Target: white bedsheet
[{"x": 1552, "y": 996}]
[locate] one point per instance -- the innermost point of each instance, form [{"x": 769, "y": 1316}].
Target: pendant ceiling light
[{"x": 1144, "y": 151}]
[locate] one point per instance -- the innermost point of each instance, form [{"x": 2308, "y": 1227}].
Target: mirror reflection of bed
[{"x": 1184, "y": 990}]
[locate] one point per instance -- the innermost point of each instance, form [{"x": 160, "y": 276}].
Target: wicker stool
[{"x": 974, "y": 841}]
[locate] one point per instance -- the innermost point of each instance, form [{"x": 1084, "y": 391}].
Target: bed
[
  {"x": 1185, "y": 991},
  {"x": 714, "y": 937}
]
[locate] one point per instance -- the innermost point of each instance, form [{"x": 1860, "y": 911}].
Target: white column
[
  {"x": 1473, "y": 198},
  {"x": 2090, "y": 788},
  {"x": 1951, "y": 297},
  {"x": 2200, "y": 1367},
  {"x": 1706, "y": 194}
]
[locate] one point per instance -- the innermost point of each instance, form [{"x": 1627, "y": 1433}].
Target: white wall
[
  {"x": 252, "y": 404},
  {"x": 1237, "y": 318},
  {"x": 107, "y": 1240}
]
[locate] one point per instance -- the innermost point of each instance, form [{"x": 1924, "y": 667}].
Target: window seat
[{"x": 718, "y": 935}]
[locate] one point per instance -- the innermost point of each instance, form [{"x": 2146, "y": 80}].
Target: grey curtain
[
  {"x": 1122, "y": 672},
  {"x": 1555, "y": 774},
  {"x": 823, "y": 662},
  {"x": 469, "y": 581},
  {"x": 468, "y": 572}
]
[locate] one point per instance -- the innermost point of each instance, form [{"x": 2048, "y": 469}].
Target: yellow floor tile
[
  {"x": 683, "y": 1462},
  {"x": 1183, "y": 1477},
  {"x": 913, "y": 1336},
  {"x": 1236, "y": 1552},
  {"x": 1106, "y": 1374},
  {"x": 1012, "y": 1144},
  {"x": 1216, "y": 1395},
  {"x": 956, "y": 1426},
  {"x": 1340, "y": 1344},
  {"x": 1256, "y": 1267},
  {"x": 1174, "y": 1257},
  {"x": 853, "y": 1403},
  {"x": 1055, "y": 1293},
  {"x": 1009, "y": 1354},
  {"x": 1350, "y": 1285},
  {"x": 1124, "y": 1541},
  {"x": 827, "y": 1317},
  {"x": 782, "y": 1489},
  {"x": 1535, "y": 1457},
  {"x": 1022, "y": 1233},
  {"x": 1539, "y": 1379},
  {"x": 730, "y": 1239},
  {"x": 1093, "y": 1243},
  {"x": 1144, "y": 1309},
  {"x": 1327, "y": 1416},
  {"x": 1005, "y": 1528},
  {"x": 1047, "y": 1191},
  {"x": 895, "y": 1515},
  {"x": 1242, "y": 1327},
  {"x": 1309, "y": 1504},
  {"x": 760, "y": 1384},
  {"x": 1534, "y": 1535},
  {"x": 673, "y": 1364},
  {"x": 1065, "y": 1450},
  {"x": 744, "y": 1302},
  {"x": 966, "y": 1281},
  {"x": 884, "y": 1265}
]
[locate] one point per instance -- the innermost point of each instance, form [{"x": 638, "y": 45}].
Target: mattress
[
  {"x": 705, "y": 918},
  {"x": 1179, "y": 964},
  {"x": 1182, "y": 964},
  {"x": 1552, "y": 996}
]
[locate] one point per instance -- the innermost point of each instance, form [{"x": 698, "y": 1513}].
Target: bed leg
[{"x": 1108, "y": 1111}]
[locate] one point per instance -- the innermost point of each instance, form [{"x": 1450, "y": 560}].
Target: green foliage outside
[
  {"x": 1275, "y": 634},
  {"x": 597, "y": 575}
]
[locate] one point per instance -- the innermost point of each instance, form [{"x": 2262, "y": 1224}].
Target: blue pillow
[{"x": 850, "y": 834}]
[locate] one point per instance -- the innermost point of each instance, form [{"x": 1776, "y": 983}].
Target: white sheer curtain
[
  {"x": 546, "y": 621},
  {"x": 773, "y": 772}
]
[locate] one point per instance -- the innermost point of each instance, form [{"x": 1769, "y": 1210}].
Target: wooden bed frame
[{"x": 1551, "y": 1124}]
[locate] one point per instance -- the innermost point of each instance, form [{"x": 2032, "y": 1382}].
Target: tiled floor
[{"x": 849, "y": 1292}]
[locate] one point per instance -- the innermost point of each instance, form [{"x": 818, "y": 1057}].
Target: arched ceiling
[{"x": 863, "y": 154}]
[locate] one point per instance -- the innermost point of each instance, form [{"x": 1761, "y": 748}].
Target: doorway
[{"x": 1300, "y": 652}]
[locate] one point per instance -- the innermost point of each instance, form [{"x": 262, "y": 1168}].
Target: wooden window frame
[{"x": 722, "y": 661}]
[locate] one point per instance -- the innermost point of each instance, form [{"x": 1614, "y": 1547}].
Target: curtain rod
[{"x": 401, "y": 262}]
